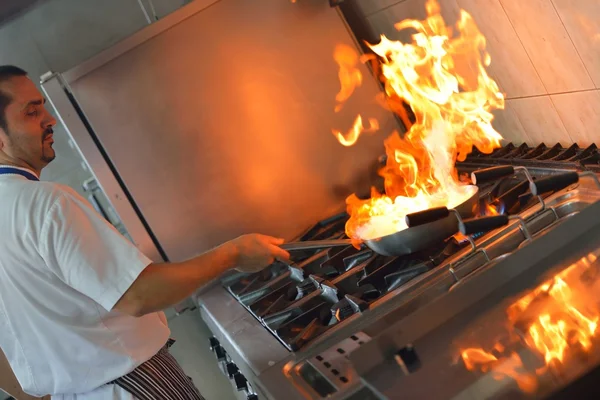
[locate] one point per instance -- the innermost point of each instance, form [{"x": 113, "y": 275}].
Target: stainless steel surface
[
  {"x": 226, "y": 132},
  {"x": 286, "y": 378},
  {"x": 420, "y": 237},
  {"x": 54, "y": 90},
  {"x": 316, "y": 244},
  {"x": 144, "y": 11},
  {"x": 137, "y": 39},
  {"x": 523, "y": 270},
  {"x": 334, "y": 365},
  {"x": 234, "y": 326}
]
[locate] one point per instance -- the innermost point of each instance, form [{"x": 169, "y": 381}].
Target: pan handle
[
  {"x": 316, "y": 244},
  {"x": 555, "y": 182},
  {"x": 491, "y": 174},
  {"x": 511, "y": 197},
  {"x": 484, "y": 224},
  {"x": 426, "y": 216}
]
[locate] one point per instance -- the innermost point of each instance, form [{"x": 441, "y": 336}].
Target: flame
[
  {"x": 556, "y": 319},
  {"x": 490, "y": 210},
  {"x": 349, "y": 74},
  {"x": 474, "y": 358},
  {"x": 352, "y": 136},
  {"x": 444, "y": 80}
]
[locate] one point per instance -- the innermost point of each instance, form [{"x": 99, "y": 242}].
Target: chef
[{"x": 80, "y": 306}]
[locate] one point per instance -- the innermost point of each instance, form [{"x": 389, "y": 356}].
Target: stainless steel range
[{"x": 292, "y": 329}]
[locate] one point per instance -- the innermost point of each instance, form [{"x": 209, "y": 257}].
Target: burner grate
[
  {"x": 541, "y": 156},
  {"x": 320, "y": 289}
]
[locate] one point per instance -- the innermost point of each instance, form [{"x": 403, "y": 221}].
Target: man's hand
[
  {"x": 255, "y": 252},
  {"x": 163, "y": 285}
]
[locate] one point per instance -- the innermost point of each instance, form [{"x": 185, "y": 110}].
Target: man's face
[{"x": 28, "y": 137}]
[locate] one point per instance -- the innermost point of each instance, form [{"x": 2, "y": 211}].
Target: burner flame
[
  {"x": 491, "y": 210},
  {"x": 337, "y": 315},
  {"x": 553, "y": 321},
  {"x": 444, "y": 80}
]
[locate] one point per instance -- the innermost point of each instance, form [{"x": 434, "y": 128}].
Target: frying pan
[
  {"x": 425, "y": 228},
  {"x": 538, "y": 187}
]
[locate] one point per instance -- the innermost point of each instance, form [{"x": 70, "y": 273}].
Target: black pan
[{"x": 425, "y": 228}]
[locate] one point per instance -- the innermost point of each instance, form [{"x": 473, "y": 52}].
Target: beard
[{"x": 47, "y": 158}]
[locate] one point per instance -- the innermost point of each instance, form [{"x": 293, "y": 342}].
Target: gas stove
[{"x": 291, "y": 327}]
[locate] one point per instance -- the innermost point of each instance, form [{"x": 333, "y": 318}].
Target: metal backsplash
[{"x": 216, "y": 121}]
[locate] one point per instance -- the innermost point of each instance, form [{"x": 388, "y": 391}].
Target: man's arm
[
  {"x": 161, "y": 286},
  {"x": 91, "y": 256},
  {"x": 9, "y": 383}
]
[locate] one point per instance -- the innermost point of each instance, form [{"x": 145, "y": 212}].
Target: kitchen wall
[
  {"x": 55, "y": 36},
  {"x": 545, "y": 58},
  {"x": 59, "y": 34}
]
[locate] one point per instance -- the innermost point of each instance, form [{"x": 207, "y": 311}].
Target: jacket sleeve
[{"x": 88, "y": 253}]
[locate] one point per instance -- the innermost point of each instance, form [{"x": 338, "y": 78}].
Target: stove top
[
  {"x": 521, "y": 330},
  {"x": 319, "y": 289},
  {"x": 329, "y": 303},
  {"x": 539, "y": 157}
]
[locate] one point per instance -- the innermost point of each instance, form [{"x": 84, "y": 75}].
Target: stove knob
[
  {"x": 213, "y": 343},
  {"x": 221, "y": 353},
  {"x": 252, "y": 396},
  {"x": 241, "y": 383},
  {"x": 232, "y": 369}
]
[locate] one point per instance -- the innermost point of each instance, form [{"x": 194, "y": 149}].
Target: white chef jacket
[{"x": 62, "y": 270}]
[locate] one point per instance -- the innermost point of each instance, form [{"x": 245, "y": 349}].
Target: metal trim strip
[{"x": 57, "y": 94}]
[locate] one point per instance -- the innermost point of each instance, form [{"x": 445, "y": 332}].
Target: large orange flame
[
  {"x": 552, "y": 320},
  {"x": 349, "y": 74},
  {"x": 444, "y": 80},
  {"x": 352, "y": 136}
]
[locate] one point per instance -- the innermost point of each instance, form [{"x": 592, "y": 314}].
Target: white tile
[
  {"x": 507, "y": 123},
  {"x": 582, "y": 21},
  {"x": 540, "y": 120},
  {"x": 548, "y": 45},
  {"x": 580, "y": 112},
  {"x": 383, "y": 21},
  {"x": 511, "y": 67}
]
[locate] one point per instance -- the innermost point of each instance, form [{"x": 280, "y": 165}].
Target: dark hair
[{"x": 7, "y": 72}]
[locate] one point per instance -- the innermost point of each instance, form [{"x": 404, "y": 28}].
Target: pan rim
[{"x": 470, "y": 191}]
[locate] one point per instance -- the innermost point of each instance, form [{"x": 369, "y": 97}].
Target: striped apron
[{"x": 159, "y": 378}]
